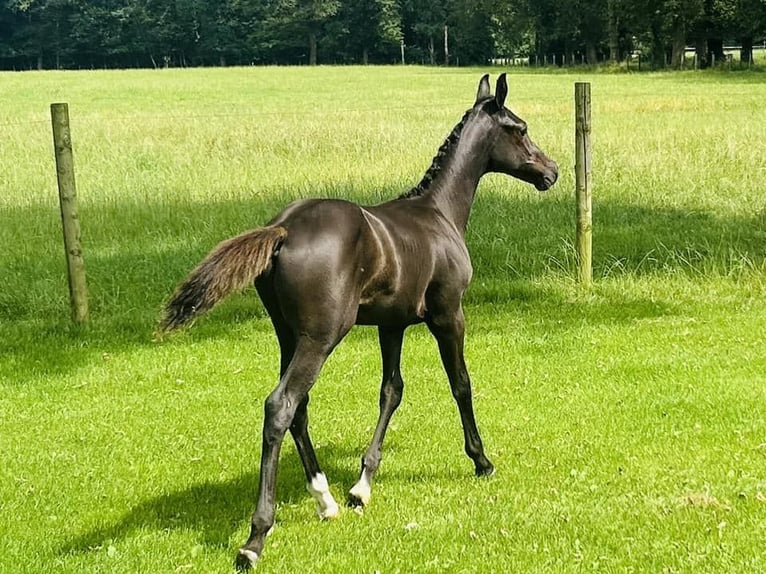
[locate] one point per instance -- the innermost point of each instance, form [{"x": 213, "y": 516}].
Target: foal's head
[{"x": 512, "y": 152}]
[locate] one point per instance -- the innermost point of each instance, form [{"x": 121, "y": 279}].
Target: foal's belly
[{"x": 385, "y": 311}]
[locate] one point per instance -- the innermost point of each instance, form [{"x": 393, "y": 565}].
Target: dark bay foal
[{"x": 322, "y": 266}]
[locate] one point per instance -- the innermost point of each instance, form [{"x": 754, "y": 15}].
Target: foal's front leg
[
  {"x": 390, "y": 397},
  {"x": 449, "y": 330}
]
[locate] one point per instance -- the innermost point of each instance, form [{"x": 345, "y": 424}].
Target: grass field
[{"x": 627, "y": 423}]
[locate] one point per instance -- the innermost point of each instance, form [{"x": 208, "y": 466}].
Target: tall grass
[{"x": 626, "y": 422}]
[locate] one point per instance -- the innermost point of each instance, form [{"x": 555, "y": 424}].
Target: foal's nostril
[{"x": 547, "y": 180}]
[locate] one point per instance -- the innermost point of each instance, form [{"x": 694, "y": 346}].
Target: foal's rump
[
  {"x": 316, "y": 278},
  {"x": 311, "y": 257}
]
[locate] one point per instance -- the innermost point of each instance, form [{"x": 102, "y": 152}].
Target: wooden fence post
[
  {"x": 583, "y": 194},
  {"x": 62, "y": 142}
]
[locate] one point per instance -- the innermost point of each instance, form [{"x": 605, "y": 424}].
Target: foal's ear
[
  {"x": 483, "y": 92},
  {"x": 501, "y": 91}
]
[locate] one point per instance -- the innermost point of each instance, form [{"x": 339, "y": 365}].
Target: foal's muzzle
[{"x": 549, "y": 177}]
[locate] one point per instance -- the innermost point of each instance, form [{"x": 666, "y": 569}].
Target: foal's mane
[{"x": 438, "y": 161}]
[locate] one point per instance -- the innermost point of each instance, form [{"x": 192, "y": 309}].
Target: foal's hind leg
[
  {"x": 280, "y": 410},
  {"x": 390, "y": 397},
  {"x": 316, "y": 482},
  {"x": 449, "y": 330}
]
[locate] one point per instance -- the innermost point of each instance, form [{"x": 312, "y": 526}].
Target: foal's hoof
[
  {"x": 359, "y": 495},
  {"x": 330, "y": 513},
  {"x": 246, "y": 559},
  {"x": 487, "y": 470},
  {"x": 356, "y": 502}
]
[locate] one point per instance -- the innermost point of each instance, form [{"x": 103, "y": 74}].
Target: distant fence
[{"x": 633, "y": 60}]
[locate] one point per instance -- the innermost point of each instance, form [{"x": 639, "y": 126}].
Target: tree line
[{"x": 155, "y": 33}]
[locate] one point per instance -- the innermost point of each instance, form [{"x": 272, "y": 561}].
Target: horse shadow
[
  {"x": 215, "y": 509},
  {"x": 211, "y": 509}
]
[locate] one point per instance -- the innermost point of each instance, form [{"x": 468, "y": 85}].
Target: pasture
[{"x": 627, "y": 422}]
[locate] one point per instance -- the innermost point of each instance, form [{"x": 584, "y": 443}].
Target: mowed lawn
[{"x": 627, "y": 422}]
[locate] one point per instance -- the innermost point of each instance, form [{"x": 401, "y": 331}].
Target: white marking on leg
[
  {"x": 327, "y": 508},
  {"x": 362, "y": 490},
  {"x": 251, "y": 556}
]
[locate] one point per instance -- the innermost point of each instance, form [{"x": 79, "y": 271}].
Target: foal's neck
[{"x": 450, "y": 183}]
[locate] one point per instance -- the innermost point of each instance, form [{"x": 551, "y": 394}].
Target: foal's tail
[{"x": 234, "y": 264}]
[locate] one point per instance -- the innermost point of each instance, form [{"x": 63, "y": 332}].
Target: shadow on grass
[
  {"x": 137, "y": 253},
  {"x": 214, "y": 510}
]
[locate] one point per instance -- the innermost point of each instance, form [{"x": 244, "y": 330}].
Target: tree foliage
[{"x": 132, "y": 33}]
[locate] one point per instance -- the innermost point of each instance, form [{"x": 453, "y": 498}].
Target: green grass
[{"x": 626, "y": 423}]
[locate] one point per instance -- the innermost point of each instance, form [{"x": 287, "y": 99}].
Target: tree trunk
[
  {"x": 678, "y": 45},
  {"x": 446, "y": 45},
  {"x": 365, "y": 56},
  {"x": 614, "y": 32},
  {"x": 431, "y": 50},
  {"x": 715, "y": 50},
  {"x": 40, "y": 59},
  {"x": 590, "y": 53},
  {"x": 700, "y": 52},
  {"x": 312, "y": 48},
  {"x": 658, "y": 45},
  {"x": 746, "y": 52},
  {"x": 540, "y": 57},
  {"x": 58, "y": 45},
  {"x": 568, "y": 57}
]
